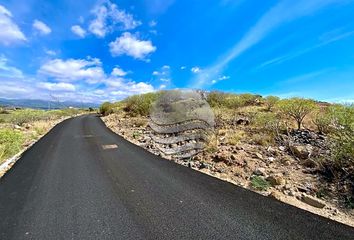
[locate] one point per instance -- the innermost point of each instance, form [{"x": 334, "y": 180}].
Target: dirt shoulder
[
  {"x": 248, "y": 164},
  {"x": 30, "y": 133}
]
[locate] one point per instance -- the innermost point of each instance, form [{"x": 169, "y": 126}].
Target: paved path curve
[{"x": 68, "y": 187}]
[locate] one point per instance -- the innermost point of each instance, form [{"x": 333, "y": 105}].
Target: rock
[
  {"x": 233, "y": 157},
  {"x": 312, "y": 201},
  {"x": 282, "y": 148},
  {"x": 309, "y": 163},
  {"x": 274, "y": 194},
  {"x": 242, "y": 121},
  {"x": 271, "y": 159},
  {"x": 17, "y": 127},
  {"x": 275, "y": 180},
  {"x": 258, "y": 155},
  {"x": 259, "y": 171},
  {"x": 300, "y": 151}
]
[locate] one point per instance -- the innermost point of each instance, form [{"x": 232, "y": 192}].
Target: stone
[
  {"x": 276, "y": 180},
  {"x": 275, "y": 195},
  {"x": 271, "y": 159},
  {"x": 258, "y": 155},
  {"x": 259, "y": 171},
  {"x": 312, "y": 201},
  {"x": 281, "y": 148},
  {"x": 301, "y": 151},
  {"x": 309, "y": 163}
]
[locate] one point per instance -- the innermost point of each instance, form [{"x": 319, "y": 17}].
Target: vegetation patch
[{"x": 259, "y": 183}]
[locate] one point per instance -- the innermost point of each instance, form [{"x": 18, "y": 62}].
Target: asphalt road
[{"x": 68, "y": 186}]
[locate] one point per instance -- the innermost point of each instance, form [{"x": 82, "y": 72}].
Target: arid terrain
[{"x": 244, "y": 150}]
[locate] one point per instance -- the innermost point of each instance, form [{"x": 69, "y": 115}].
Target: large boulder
[{"x": 301, "y": 151}]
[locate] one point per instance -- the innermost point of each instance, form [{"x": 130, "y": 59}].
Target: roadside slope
[{"x": 69, "y": 185}]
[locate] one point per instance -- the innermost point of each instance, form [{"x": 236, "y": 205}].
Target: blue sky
[{"x": 107, "y": 50}]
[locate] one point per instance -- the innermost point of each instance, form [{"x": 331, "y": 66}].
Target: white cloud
[
  {"x": 71, "y": 70},
  {"x": 152, "y": 23},
  {"x": 162, "y": 77},
  {"x": 196, "y": 69},
  {"x": 283, "y": 12},
  {"x": 130, "y": 45},
  {"x": 9, "y": 32},
  {"x": 41, "y": 27},
  {"x": 122, "y": 88},
  {"x": 79, "y": 31},
  {"x": 223, "y": 78},
  {"x": 50, "y": 52},
  {"x": 183, "y": 67},
  {"x": 57, "y": 86},
  {"x": 118, "y": 72},
  {"x": 8, "y": 71},
  {"x": 108, "y": 16}
]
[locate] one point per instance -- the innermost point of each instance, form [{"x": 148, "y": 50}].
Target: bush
[
  {"x": 268, "y": 122},
  {"x": 106, "y": 108},
  {"x": 10, "y": 142},
  {"x": 259, "y": 183},
  {"x": 323, "y": 120},
  {"x": 296, "y": 108},
  {"x": 216, "y": 99},
  {"x": 20, "y": 117},
  {"x": 229, "y": 100},
  {"x": 235, "y": 137},
  {"x": 343, "y": 134},
  {"x": 249, "y": 99},
  {"x": 140, "y": 105},
  {"x": 270, "y": 102}
]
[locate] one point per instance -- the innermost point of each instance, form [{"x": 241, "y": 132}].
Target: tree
[
  {"x": 296, "y": 108},
  {"x": 271, "y": 101},
  {"x": 106, "y": 108}
]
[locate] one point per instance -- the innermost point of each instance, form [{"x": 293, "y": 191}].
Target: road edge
[{"x": 10, "y": 162}]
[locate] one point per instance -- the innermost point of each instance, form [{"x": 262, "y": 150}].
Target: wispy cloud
[
  {"x": 326, "y": 40},
  {"x": 305, "y": 77},
  {"x": 283, "y": 12},
  {"x": 108, "y": 16},
  {"x": 78, "y": 30},
  {"x": 8, "y": 71},
  {"x": 41, "y": 27},
  {"x": 10, "y": 32}
]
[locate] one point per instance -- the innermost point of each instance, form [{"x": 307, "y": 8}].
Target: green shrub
[
  {"x": 10, "y": 142},
  {"x": 229, "y": 100},
  {"x": 270, "y": 102},
  {"x": 259, "y": 183},
  {"x": 249, "y": 99},
  {"x": 140, "y": 105},
  {"x": 268, "y": 122},
  {"x": 343, "y": 134},
  {"x": 216, "y": 99},
  {"x": 323, "y": 120},
  {"x": 106, "y": 108},
  {"x": 296, "y": 108}
]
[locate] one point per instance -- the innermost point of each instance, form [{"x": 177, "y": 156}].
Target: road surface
[{"x": 73, "y": 184}]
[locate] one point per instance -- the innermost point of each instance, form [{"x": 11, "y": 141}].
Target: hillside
[
  {"x": 296, "y": 150},
  {"x": 43, "y": 104}
]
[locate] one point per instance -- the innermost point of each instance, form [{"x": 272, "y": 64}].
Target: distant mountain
[{"x": 43, "y": 104}]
